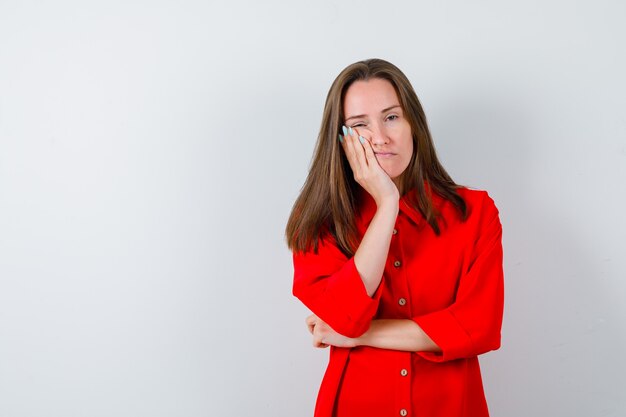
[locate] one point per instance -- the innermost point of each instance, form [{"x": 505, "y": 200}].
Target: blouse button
[
  {"x": 402, "y": 301},
  {"x": 395, "y": 231},
  {"x": 397, "y": 264},
  {"x": 403, "y": 412},
  {"x": 404, "y": 372}
]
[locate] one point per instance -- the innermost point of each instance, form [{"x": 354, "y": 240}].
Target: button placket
[{"x": 404, "y": 383}]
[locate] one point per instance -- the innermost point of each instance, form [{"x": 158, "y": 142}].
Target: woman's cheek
[
  {"x": 363, "y": 131},
  {"x": 401, "y": 127}
]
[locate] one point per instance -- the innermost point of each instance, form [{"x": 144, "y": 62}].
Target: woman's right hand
[
  {"x": 367, "y": 171},
  {"x": 324, "y": 335}
]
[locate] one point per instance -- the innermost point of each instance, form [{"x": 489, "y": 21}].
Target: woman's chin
[{"x": 393, "y": 174}]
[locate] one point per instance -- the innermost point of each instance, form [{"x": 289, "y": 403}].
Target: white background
[{"x": 150, "y": 152}]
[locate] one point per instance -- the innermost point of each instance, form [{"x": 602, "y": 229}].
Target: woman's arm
[
  {"x": 345, "y": 291},
  {"x": 397, "y": 334},
  {"x": 371, "y": 255}
]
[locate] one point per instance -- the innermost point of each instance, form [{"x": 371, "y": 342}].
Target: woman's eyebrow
[{"x": 358, "y": 116}]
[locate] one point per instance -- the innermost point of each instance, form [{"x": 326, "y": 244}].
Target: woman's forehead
[{"x": 369, "y": 97}]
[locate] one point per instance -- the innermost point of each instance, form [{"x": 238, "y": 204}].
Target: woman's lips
[{"x": 384, "y": 154}]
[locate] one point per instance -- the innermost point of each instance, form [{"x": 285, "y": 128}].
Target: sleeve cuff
[
  {"x": 443, "y": 328},
  {"x": 350, "y": 295}
]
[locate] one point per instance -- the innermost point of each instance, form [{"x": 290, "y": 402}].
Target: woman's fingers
[
  {"x": 351, "y": 152},
  {"x": 363, "y": 155},
  {"x": 369, "y": 152},
  {"x": 310, "y": 322},
  {"x": 358, "y": 148},
  {"x": 319, "y": 344},
  {"x": 367, "y": 171},
  {"x": 354, "y": 152},
  {"x": 319, "y": 333}
]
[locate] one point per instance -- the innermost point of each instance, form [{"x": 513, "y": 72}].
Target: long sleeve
[
  {"x": 472, "y": 324},
  {"x": 329, "y": 284}
]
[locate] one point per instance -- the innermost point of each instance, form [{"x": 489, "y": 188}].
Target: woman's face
[{"x": 372, "y": 109}]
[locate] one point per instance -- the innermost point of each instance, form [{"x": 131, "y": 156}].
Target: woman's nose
[{"x": 379, "y": 136}]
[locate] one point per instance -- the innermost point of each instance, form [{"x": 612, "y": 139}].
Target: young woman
[{"x": 400, "y": 266}]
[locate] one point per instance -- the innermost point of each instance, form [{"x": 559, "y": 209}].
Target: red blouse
[{"x": 451, "y": 285}]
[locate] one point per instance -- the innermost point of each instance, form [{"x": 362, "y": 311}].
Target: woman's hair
[{"x": 327, "y": 201}]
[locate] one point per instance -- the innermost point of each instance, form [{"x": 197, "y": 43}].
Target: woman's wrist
[{"x": 388, "y": 205}]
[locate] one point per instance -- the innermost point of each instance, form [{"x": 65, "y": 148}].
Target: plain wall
[{"x": 150, "y": 153}]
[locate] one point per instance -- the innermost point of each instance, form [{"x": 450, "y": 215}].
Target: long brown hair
[{"x": 327, "y": 201}]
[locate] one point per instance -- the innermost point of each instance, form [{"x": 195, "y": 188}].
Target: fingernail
[
  {"x": 362, "y": 139},
  {"x": 350, "y": 130},
  {"x": 340, "y": 139},
  {"x": 345, "y": 130}
]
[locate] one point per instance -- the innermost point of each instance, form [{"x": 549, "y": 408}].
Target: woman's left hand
[{"x": 324, "y": 335}]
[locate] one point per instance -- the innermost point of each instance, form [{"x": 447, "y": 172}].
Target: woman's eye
[
  {"x": 358, "y": 125},
  {"x": 392, "y": 117}
]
